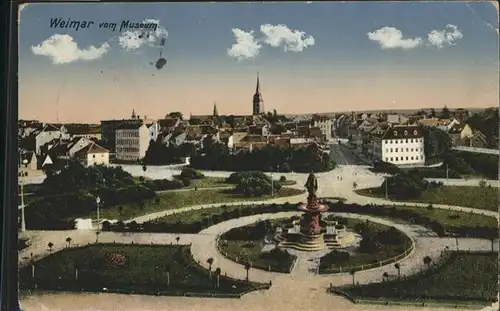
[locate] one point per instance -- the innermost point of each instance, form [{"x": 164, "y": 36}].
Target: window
[
  {"x": 396, "y": 159},
  {"x": 407, "y": 141},
  {"x": 406, "y": 158},
  {"x": 391, "y": 149},
  {"x": 386, "y": 159},
  {"x": 412, "y": 158},
  {"x": 396, "y": 149},
  {"x": 415, "y": 132},
  {"x": 386, "y": 150},
  {"x": 93, "y": 156},
  {"x": 406, "y": 133},
  {"x": 411, "y": 149},
  {"x": 406, "y": 149},
  {"x": 395, "y": 133},
  {"x": 392, "y": 159}
]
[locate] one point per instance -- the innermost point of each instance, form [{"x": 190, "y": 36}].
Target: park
[{"x": 228, "y": 234}]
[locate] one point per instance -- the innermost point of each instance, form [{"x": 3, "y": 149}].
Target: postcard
[{"x": 258, "y": 156}]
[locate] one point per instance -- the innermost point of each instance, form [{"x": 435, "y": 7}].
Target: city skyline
[{"x": 317, "y": 57}]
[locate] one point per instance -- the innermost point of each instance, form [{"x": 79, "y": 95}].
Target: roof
[
  {"x": 401, "y": 132},
  {"x": 83, "y": 129},
  {"x": 129, "y": 126},
  {"x": 170, "y": 122},
  {"x": 91, "y": 148}
]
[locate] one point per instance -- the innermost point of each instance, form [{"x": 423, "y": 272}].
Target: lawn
[
  {"x": 251, "y": 251},
  {"x": 208, "y": 182},
  {"x": 169, "y": 270},
  {"x": 474, "y": 197},
  {"x": 179, "y": 199},
  {"x": 463, "y": 276},
  {"x": 328, "y": 264}
]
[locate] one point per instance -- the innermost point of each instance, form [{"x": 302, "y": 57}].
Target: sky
[{"x": 310, "y": 57}]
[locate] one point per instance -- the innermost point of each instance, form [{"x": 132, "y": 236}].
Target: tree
[
  {"x": 398, "y": 267},
  {"x": 68, "y": 240},
  {"x": 248, "y": 265},
  {"x": 433, "y": 113},
  {"x": 217, "y": 273},
  {"x": 210, "y": 262},
  {"x": 427, "y": 261},
  {"x": 353, "y": 272},
  {"x": 385, "y": 276},
  {"x": 437, "y": 143},
  {"x": 445, "y": 113},
  {"x": 50, "y": 245},
  {"x": 174, "y": 115}
]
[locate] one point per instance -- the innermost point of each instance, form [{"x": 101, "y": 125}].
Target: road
[{"x": 342, "y": 155}]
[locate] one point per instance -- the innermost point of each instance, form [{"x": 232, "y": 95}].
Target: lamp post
[
  {"x": 98, "y": 200},
  {"x": 272, "y": 185},
  {"x": 446, "y": 171},
  {"x": 21, "y": 184}
]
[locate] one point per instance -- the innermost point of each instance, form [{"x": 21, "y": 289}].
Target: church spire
[
  {"x": 133, "y": 114},
  {"x": 258, "y": 102},
  {"x": 215, "y": 113}
]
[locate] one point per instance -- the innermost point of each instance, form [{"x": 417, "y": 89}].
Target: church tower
[
  {"x": 258, "y": 102},
  {"x": 215, "y": 116}
]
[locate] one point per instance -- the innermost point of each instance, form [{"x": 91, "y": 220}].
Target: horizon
[{"x": 326, "y": 57}]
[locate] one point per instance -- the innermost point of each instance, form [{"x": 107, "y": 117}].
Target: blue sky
[{"x": 200, "y": 34}]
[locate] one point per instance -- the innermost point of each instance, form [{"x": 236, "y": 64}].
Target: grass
[
  {"x": 485, "y": 198},
  {"x": 146, "y": 269},
  {"x": 208, "y": 182},
  {"x": 179, "y": 199},
  {"x": 357, "y": 259},
  {"x": 251, "y": 251},
  {"x": 463, "y": 276}
]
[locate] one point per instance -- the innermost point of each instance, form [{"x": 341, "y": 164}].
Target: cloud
[
  {"x": 63, "y": 50},
  {"x": 448, "y": 36},
  {"x": 245, "y": 47},
  {"x": 392, "y": 38},
  {"x": 281, "y": 35},
  {"x": 133, "y": 39}
]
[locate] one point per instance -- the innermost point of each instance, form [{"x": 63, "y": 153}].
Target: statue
[{"x": 311, "y": 184}]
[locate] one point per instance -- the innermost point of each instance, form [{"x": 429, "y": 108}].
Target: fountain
[{"x": 309, "y": 232}]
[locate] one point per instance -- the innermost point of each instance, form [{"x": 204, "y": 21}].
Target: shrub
[
  {"x": 282, "y": 178},
  {"x": 236, "y": 178},
  {"x": 255, "y": 187},
  {"x": 191, "y": 173}
]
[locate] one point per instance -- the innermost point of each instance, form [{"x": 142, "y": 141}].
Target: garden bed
[
  {"x": 139, "y": 269},
  {"x": 462, "y": 278},
  {"x": 399, "y": 245}
]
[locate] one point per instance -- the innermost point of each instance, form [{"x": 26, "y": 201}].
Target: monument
[{"x": 309, "y": 232}]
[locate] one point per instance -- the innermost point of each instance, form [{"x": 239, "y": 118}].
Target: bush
[
  {"x": 385, "y": 167},
  {"x": 236, "y": 178},
  {"x": 282, "y": 178},
  {"x": 166, "y": 184},
  {"x": 191, "y": 173},
  {"x": 256, "y": 187}
]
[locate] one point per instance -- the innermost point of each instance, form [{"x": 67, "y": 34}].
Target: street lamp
[
  {"x": 21, "y": 184},
  {"x": 98, "y": 200},
  {"x": 272, "y": 184}
]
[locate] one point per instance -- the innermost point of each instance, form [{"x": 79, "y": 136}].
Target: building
[
  {"x": 82, "y": 130},
  {"x": 402, "y": 146},
  {"x": 473, "y": 138},
  {"x": 93, "y": 154},
  {"x": 258, "y": 101},
  {"x": 397, "y": 119},
  {"x": 109, "y": 127},
  {"x": 40, "y": 137},
  {"x": 28, "y": 161},
  {"x": 132, "y": 141},
  {"x": 325, "y": 125}
]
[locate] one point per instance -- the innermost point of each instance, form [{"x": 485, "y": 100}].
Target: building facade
[
  {"x": 132, "y": 141},
  {"x": 325, "y": 124},
  {"x": 402, "y": 146},
  {"x": 93, "y": 154}
]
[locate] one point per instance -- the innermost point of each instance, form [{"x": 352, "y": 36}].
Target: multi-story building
[
  {"x": 401, "y": 145},
  {"x": 93, "y": 154},
  {"x": 40, "y": 137},
  {"x": 132, "y": 141},
  {"x": 325, "y": 124},
  {"x": 109, "y": 127}
]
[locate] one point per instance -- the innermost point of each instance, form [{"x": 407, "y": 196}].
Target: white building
[
  {"x": 401, "y": 145},
  {"x": 325, "y": 124},
  {"x": 132, "y": 141},
  {"x": 93, "y": 154}
]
